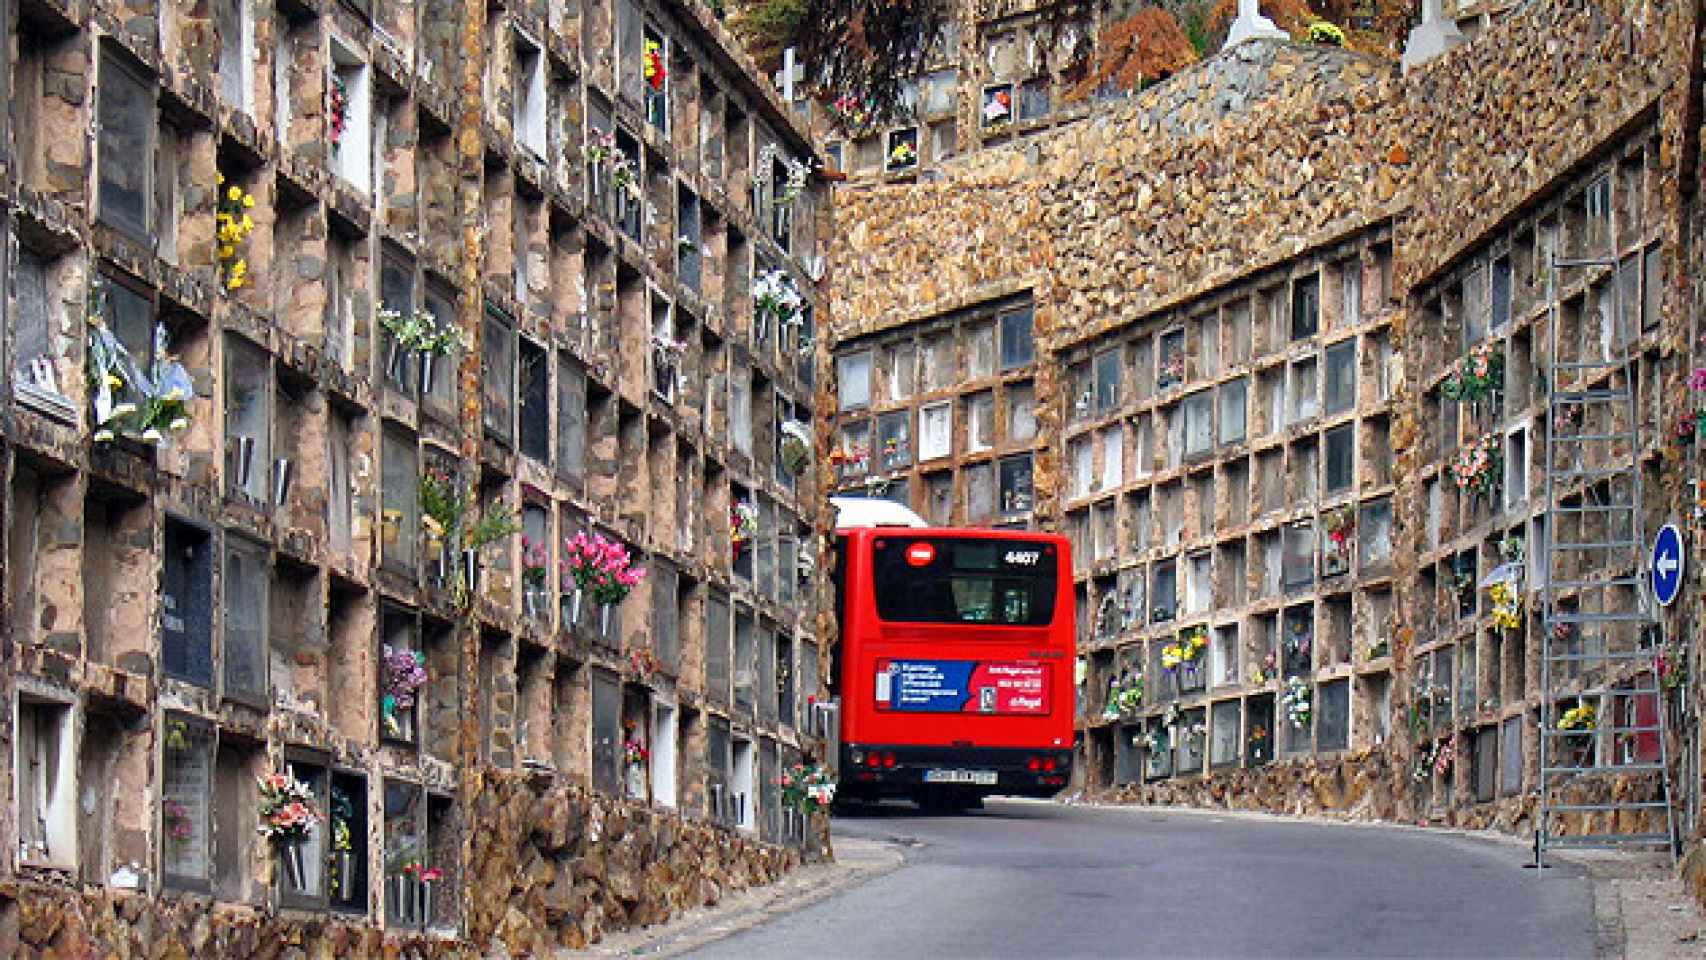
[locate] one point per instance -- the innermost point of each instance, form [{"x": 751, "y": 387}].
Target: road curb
[{"x": 857, "y": 862}]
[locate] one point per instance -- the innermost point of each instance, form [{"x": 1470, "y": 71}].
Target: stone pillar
[
  {"x": 1435, "y": 35},
  {"x": 1251, "y": 25}
]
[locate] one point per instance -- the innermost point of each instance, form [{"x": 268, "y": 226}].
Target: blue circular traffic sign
[{"x": 1667, "y": 565}]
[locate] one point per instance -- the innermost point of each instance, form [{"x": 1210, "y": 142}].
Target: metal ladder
[{"x": 1598, "y": 645}]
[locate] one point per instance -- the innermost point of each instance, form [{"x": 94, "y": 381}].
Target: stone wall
[
  {"x": 552, "y": 866},
  {"x": 1229, "y": 185},
  {"x": 176, "y": 623}
]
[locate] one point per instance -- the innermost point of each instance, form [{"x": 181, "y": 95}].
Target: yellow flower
[
  {"x": 248, "y": 201},
  {"x": 114, "y": 382},
  {"x": 235, "y": 193},
  {"x": 227, "y": 252},
  {"x": 233, "y": 283},
  {"x": 248, "y": 222},
  {"x": 221, "y": 176}
]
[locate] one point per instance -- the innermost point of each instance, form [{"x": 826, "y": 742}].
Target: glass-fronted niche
[{"x": 941, "y": 415}]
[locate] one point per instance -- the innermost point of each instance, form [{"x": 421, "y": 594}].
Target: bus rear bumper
[{"x": 873, "y": 771}]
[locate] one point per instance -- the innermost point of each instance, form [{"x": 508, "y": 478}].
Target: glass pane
[
  {"x": 1341, "y": 449},
  {"x": 980, "y": 351},
  {"x": 853, "y": 377},
  {"x": 1016, "y": 348},
  {"x": 980, "y": 493},
  {"x": 606, "y": 732},
  {"x": 980, "y": 421},
  {"x": 245, "y": 586},
  {"x": 498, "y": 377},
  {"x": 935, "y": 431},
  {"x": 571, "y": 418},
  {"x": 1107, "y": 381},
  {"x": 126, "y": 116},
  {"x": 399, "y": 525},
  {"x": 186, "y": 588},
  {"x": 248, "y": 419},
  {"x": 1021, "y": 413},
  {"x": 1341, "y": 377},
  {"x": 1333, "y": 728},
  {"x": 1015, "y": 485},
  {"x": 1233, "y": 397},
  {"x": 187, "y": 785},
  {"x": 895, "y": 440},
  {"x": 717, "y": 649},
  {"x": 1198, "y": 412},
  {"x": 405, "y": 854}
]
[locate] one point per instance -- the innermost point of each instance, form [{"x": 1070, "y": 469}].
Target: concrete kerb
[{"x": 856, "y": 861}]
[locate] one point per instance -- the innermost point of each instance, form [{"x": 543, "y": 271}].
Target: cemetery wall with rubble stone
[
  {"x": 262, "y": 206},
  {"x": 1243, "y": 290}
]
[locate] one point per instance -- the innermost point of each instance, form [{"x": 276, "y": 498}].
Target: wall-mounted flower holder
[
  {"x": 1475, "y": 376},
  {"x": 242, "y": 461},
  {"x": 902, "y": 152},
  {"x": 281, "y": 479}
]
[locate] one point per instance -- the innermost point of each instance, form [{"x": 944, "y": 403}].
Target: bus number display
[{"x": 1023, "y": 558}]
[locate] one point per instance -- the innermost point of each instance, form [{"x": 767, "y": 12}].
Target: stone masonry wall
[
  {"x": 1265, "y": 162},
  {"x": 556, "y": 867}
]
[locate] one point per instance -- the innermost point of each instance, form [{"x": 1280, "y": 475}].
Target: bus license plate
[{"x": 979, "y": 777}]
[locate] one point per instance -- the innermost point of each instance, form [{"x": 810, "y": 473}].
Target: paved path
[{"x": 1032, "y": 879}]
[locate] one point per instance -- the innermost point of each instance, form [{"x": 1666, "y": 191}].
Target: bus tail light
[
  {"x": 873, "y": 760},
  {"x": 888, "y": 759},
  {"x": 1048, "y": 765},
  {"x": 1033, "y": 765}
]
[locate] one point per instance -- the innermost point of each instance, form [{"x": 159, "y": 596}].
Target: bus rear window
[{"x": 939, "y": 580}]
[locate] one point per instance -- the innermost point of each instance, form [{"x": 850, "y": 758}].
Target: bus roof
[{"x": 870, "y": 512}]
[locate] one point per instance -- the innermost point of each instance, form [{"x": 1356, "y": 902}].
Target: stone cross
[{"x": 1251, "y": 25}]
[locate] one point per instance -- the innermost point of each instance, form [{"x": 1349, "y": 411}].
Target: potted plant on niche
[
  {"x": 634, "y": 758},
  {"x": 796, "y": 447},
  {"x": 743, "y": 525},
  {"x": 445, "y": 513},
  {"x": 287, "y": 817},
  {"x": 602, "y": 569},
  {"x": 1578, "y": 722},
  {"x": 534, "y": 568},
  {"x": 402, "y": 674}
]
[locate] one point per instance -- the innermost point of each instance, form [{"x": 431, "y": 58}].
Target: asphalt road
[{"x": 1034, "y": 879}]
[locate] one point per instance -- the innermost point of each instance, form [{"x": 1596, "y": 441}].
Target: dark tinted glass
[{"x": 965, "y": 581}]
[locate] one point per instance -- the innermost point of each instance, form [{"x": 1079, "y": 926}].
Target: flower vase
[
  {"x": 1190, "y": 679},
  {"x": 426, "y": 372},
  {"x": 290, "y": 854},
  {"x": 1578, "y": 749},
  {"x": 441, "y": 561},
  {"x": 394, "y": 362},
  {"x": 343, "y": 870},
  {"x": 636, "y": 782},
  {"x": 244, "y": 466},
  {"x": 424, "y": 914},
  {"x": 471, "y": 571},
  {"x": 575, "y": 607},
  {"x": 533, "y": 599},
  {"x": 604, "y": 620}
]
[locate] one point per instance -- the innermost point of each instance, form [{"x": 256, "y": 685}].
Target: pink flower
[{"x": 1697, "y": 379}]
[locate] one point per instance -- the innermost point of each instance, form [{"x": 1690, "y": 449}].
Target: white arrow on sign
[{"x": 1667, "y": 564}]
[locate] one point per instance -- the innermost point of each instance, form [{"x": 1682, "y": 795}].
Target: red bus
[{"x": 954, "y": 665}]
